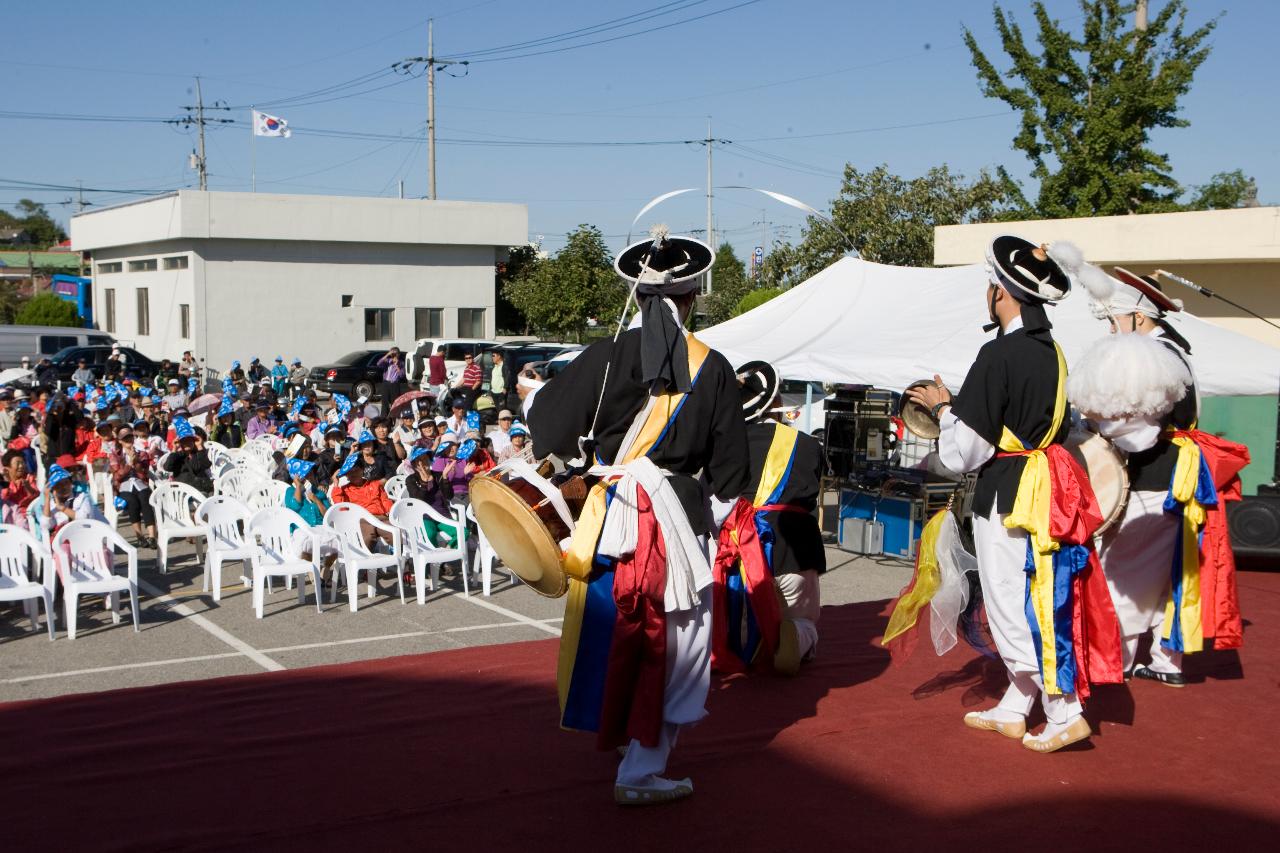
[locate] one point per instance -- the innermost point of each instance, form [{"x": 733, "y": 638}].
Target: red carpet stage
[{"x": 460, "y": 751}]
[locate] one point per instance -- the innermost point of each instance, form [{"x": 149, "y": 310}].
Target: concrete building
[
  {"x": 1233, "y": 252},
  {"x": 237, "y": 275}
]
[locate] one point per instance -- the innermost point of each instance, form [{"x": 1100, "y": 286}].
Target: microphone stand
[{"x": 1204, "y": 291}]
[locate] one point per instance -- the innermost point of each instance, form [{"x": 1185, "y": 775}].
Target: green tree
[
  {"x": 560, "y": 294},
  {"x": 756, "y": 298},
  {"x": 1224, "y": 191},
  {"x": 35, "y": 220},
  {"x": 47, "y": 309},
  {"x": 10, "y": 302},
  {"x": 729, "y": 283},
  {"x": 520, "y": 259},
  {"x": 891, "y": 218},
  {"x": 1088, "y": 104}
]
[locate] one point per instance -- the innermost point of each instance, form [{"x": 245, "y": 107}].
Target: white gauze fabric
[
  {"x": 1127, "y": 375},
  {"x": 953, "y": 588}
]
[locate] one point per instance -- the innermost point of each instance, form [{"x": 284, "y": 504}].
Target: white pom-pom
[
  {"x": 660, "y": 231},
  {"x": 1066, "y": 255},
  {"x": 1126, "y": 376},
  {"x": 1097, "y": 282}
]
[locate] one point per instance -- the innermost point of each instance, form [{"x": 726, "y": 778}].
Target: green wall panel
[{"x": 1250, "y": 421}]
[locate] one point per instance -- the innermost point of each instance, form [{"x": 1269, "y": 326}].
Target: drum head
[
  {"x": 1107, "y": 473},
  {"x": 518, "y": 537}
]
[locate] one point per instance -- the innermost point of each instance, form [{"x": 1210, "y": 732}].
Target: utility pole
[
  {"x": 202, "y": 164},
  {"x": 1140, "y": 16},
  {"x": 198, "y": 120},
  {"x": 711, "y": 234},
  {"x": 432, "y": 64},
  {"x": 431, "y": 110}
]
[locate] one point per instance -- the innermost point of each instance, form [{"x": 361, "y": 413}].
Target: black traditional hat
[
  {"x": 668, "y": 264},
  {"x": 1031, "y": 273},
  {"x": 759, "y": 384}
]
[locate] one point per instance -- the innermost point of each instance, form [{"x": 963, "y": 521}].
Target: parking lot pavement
[{"x": 186, "y": 635}]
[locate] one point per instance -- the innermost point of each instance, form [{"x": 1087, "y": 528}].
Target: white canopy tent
[{"x": 864, "y": 323}]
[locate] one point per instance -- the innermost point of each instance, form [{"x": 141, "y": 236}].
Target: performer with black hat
[
  {"x": 1138, "y": 389},
  {"x": 650, "y": 410},
  {"x": 1035, "y": 558},
  {"x": 770, "y": 554}
]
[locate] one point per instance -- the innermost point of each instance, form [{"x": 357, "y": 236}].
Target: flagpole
[{"x": 253, "y": 152}]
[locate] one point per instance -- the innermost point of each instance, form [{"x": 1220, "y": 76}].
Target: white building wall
[
  {"x": 269, "y": 298},
  {"x": 166, "y": 291}
]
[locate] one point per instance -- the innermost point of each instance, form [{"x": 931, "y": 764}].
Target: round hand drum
[
  {"x": 1107, "y": 473},
  {"x": 523, "y": 527}
]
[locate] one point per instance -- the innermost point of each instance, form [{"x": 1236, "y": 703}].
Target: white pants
[
  {"x": 1002, "y": 556},
  {"x": 1137, "y": 558},
  {"x": 685, "y": 697},
  {"x": 802, "y": 604}
]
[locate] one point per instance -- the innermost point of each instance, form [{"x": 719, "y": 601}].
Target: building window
[
  {"x": 177, "y": 262},
  {"x": 144, "y": 265},
  {"x": 471, "y": 322},
  {"x": 144, "y": 312},
  {"x": 379, "y": 324},
  {"x": 184, "y": 321},
  {"x": 428, "y": 322},
  {"x": 110, "y": 267},
  {"x": 109, "y": 309}
]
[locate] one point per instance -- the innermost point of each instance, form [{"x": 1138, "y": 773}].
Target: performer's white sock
[
  {"x": 807, "y": 632},
  {"x": 1060, "y": 711},
  {"x": 1162, "y": 659},
  {"x": 642, "y": 766},
  {"x": 1017, "y": 700}
]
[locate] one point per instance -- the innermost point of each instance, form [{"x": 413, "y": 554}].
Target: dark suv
[
  {"x": 136, "y": 365},
  {"x": 356, "y": 374}
]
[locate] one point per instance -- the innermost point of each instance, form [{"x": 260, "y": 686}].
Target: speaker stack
[
  {"x": 858, "y": 421},
  {"x": 1254, "y": 523}
]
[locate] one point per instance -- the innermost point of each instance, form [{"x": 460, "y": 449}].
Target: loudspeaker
[{"x": 1254, "y": 523}]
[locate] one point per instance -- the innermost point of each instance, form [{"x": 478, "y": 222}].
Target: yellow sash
[
  {"x": 1031, "y": 511},
  {"x": 580, "y": 556},
  {"x": 1186, "y": 476},
  {"x": 776, "y": 462}
]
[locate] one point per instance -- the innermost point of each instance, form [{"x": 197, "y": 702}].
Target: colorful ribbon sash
[{"x": 1191, "y": 493}]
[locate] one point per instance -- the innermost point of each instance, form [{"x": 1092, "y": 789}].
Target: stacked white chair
[
  {"x": 345, "y": 520},
  {"x": 175, "y": 505},
  {"x": 239, "y": 483},
  {"x": 224, "y": 516},
  {"x": 278, "y": 555},
  {"x": 18, "y": 549},
  {"x": 407, "y": 515},
  {"x": 260, "y": 451},
  {"x": 84, "y": 552}
]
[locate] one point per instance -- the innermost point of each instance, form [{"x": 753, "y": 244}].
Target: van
[{"x": 36, "y": 342}]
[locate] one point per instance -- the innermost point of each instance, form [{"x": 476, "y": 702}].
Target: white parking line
[
  {"x": 230, "y": 639},
  {"x": 140, "y": 665},
  {"x": 541, "y": 625}
]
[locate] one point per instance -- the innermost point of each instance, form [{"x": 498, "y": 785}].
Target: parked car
[
  {"x": 36, "y": 342},
  {"x": 136, "y": 365},
  {"x": 356, "y": 374},
  {"x": 517, "y": 355},
  {"x": 793, "y": 393}
]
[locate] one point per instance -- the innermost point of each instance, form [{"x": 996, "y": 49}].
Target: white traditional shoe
[
  {"x": 982, "y": 720},
  {"x": 661, "y": 791},
  {"x": 1076, "y": 731}
]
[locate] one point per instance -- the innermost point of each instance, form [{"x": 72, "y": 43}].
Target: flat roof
[
  {"x": 1203, "y": 236},
  {"x": 201, "y": 215}
]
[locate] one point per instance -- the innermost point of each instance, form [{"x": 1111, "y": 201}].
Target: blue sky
[{"x": 780, "y": 78}]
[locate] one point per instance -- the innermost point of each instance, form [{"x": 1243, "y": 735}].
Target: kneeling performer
[
  {"x": 656, "y": 407},
  {"x": 770, "y": 554},
  {"x": 1035, "y": 558}
]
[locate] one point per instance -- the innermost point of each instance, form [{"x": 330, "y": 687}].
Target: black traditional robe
[
  {"x": 1151, "y": 470},
  {"x": 708, "y": 435},
  {"x": 1013, "y": 383},
  {"x": 798, "y": 545}
]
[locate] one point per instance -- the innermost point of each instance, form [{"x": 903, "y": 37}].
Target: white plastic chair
[
  {"x": 34, "y": 527},
  {"x": 486, "y": 558},
  {"x": 106, "y": 499},
  {"x": 277, "y": 554},
  {"x": 238, "y": 483},
  {"x": 224, "y": 516},
  {"x": 175, "y": 505},
  {"x": 259, "y": 450},
  {"x": 394, "y": 487},
  {"x": 266, "y": 494},
  {"x": 85, "y": 557},
  {"x": 18, "y": 549},
  {"x": 345, "y": 521},
  {"x": 407, "y": 515}
]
